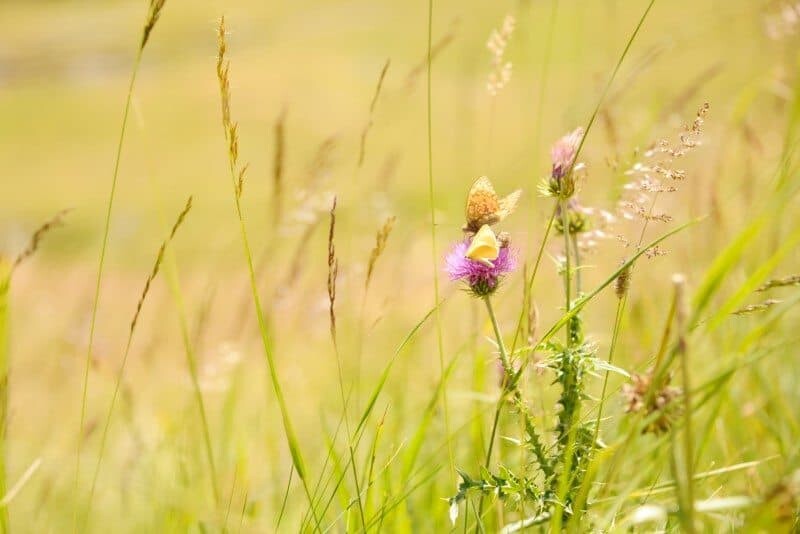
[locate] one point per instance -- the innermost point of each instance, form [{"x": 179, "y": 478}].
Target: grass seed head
[
  {"x": 153, "y": 13},
  {"x": 37, "y": 236},
  {"x": 380, "y": 244}
]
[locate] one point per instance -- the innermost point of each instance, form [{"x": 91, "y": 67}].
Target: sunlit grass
[{"x": 235, "y": 412}]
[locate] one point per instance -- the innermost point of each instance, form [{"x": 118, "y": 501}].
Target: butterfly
[
  {"x": 484, "y": 247},
  {"x": 484, "y": 206}
]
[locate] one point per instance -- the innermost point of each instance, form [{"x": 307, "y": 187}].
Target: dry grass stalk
[
  {"x": 321, "y": 164},
  {"x": 436, "y": 49},
  {"x": 37, "y": 237},
  {"x": 363, "y": 146},
  {"x": 500, "y": 73},
  {"x": 532, "y": 322},
  {"x": 380, "y": 245},
  {"x": 157, "y": 264},
  {"x": 759, "y": 307},
  {"x": 278, "y": 167},
  {"x": 231, "y": 128},
  {"x": 333, "y": 271},
  {"x": 781, "y": 282},
  {"x": 623, "y": 283},
  {"x": 388, "y": 170},
  {"x": 152, "y": 17}
]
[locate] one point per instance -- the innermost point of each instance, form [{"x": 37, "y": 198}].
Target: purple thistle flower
[
  {"x": 482, "y": 279},
  {"x": 564, "y": 151}
]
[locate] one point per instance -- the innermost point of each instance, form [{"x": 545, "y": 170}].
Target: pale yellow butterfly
[
  {"x": 484, "y": 246},
  {"x": 485, "y": 207}
]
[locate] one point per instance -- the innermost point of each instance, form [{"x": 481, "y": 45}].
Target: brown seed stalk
[
  {"x": 380, "y": 244},
  {"x": 157, "y": 264},
  {"x": 333, "y": 271},
  {"x": 36, "y": 239},
  {"x": 365, "y": 131}
]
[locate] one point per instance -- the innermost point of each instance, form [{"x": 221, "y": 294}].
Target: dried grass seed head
[
  {"x": 658, "y": 406},
  {"x": 500, "y": 72}
]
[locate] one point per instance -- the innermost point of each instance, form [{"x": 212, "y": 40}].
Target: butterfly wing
[
  {"x": 482, "y": 204},
  {"x": 508, "y": 204},
  {"x": 484, "y": 246}
]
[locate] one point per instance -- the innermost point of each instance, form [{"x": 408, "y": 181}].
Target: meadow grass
[{"x": 310, "y": 367}]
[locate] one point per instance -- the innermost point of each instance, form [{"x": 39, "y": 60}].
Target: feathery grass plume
[
  {"x": 380, "y": 245},
  {"x": 153, "y": 14},
  {"x": 656, "y": 174},
  {"x": 236, "y": 175},
  {"x": 500, "y": 73},
  {"x": 132, "y": 329},
  {"x": 333, "y": 271},
  {"x": 363, "y": 147},
  {"x": 755, "y": 308},
  {"x": 786, "y": 281},
  {"x": 36, "y": 238}
]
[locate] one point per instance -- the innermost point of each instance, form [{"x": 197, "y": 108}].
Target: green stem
[
  {"x": 510, "y": 383},
  {"x": 99, "y": 277},
  {"x": 5, "y": 282},
  {"x": 191, "y": 363},
  {"x": 688, "y": 443},
  {"x": 567, "y": 267},
  {"x": 576, "y": 251},
  {"x": 501, "y": 346},
  {"x": 614, "y": 336},
  {"x": 532, "y": 277},
  {"x": 349, "y": 436},
  {"x": 434, "y": 253},
  {"x": 508, "y": 373}
]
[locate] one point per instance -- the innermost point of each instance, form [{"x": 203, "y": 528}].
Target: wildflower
[
  {"x": 563, "y": 154},
  {"x": 482, "y": 277},
  {"x": 564, "y": 151},
  {"x": 640, "y": 398},
  {"x": 577, "y": 218}
]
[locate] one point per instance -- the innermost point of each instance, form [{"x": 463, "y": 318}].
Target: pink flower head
[
  {"x": 481, "y": 278},
  {"x": 564, "y": 151}
]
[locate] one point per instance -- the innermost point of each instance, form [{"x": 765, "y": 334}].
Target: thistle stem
[
  {"x": 508, "y": 374},
  {"x": 577, "y": 252},
  {"x": 567, "y": 267}
]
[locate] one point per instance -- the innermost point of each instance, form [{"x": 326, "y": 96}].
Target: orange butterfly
[{"x": 485, "y": 207}]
